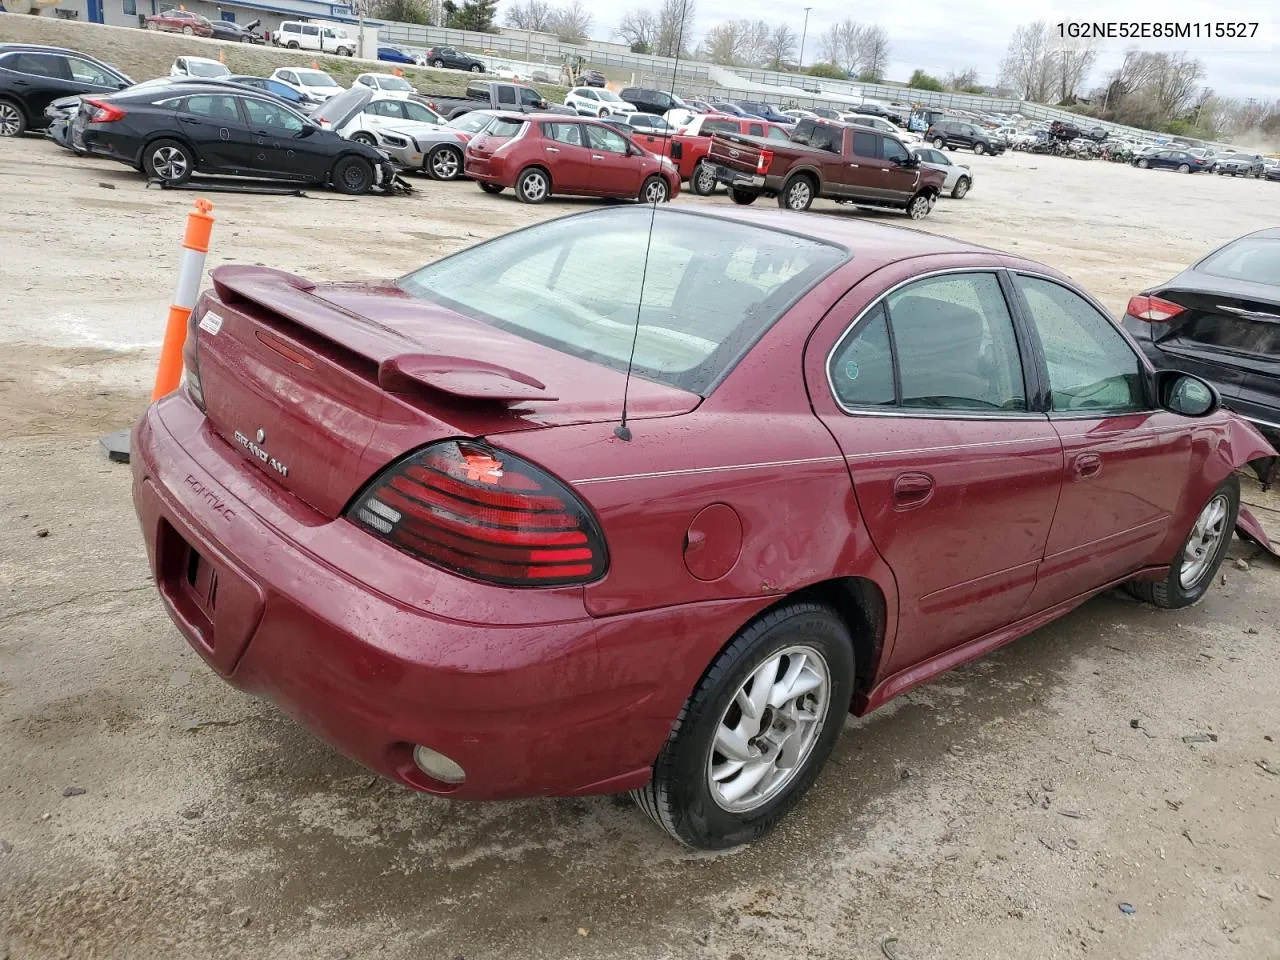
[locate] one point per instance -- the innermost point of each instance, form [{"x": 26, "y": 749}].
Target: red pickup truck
[{"x": 840, "y": 161}]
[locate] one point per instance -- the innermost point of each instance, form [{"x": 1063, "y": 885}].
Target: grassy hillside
[{"x": 143, "y": 54}]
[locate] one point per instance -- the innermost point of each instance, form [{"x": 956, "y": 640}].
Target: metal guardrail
[{"x": 693, "y": 77}]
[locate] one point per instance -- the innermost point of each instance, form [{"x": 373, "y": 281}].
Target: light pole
[{"x": 803, "y": 33}]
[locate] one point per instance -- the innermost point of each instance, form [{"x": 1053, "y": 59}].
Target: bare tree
[
  {"x": 675, "y": 27},
  {"x": 962, "y": 80},
  {"x": 781, "y": 48},
  {"x": 723, "y": 43},
  {"x": 755, "y": 42},
  {"x": 570, "y": 23},
  {"x": 639, "y": 29},
  {"x": 835, "y": 47},
  {"x": 530, "y": 15},
  {"x": 1072, "y": 66},
  {"x": 873, "y": 55},
  {"x": 1027, "y": 66}
]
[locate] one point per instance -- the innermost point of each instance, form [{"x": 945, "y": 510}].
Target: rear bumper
[
  {"x": 744, "y": 181},
  {"x": 526, "y": 709}
]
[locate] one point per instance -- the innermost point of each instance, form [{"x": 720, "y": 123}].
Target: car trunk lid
[{"x": 320, "y": 387}]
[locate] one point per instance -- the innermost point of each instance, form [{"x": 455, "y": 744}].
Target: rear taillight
[
  {"x": 483, "y": 513},
  {"x": 191, "y": 361},
  {"x": 1152, "y": 309},
  {"x": 104, "y": 112},
  {"x": 764, "y": 161}
]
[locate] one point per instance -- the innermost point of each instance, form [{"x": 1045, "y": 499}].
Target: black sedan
[
  {"x": 33, "y": 76},
  {"x": 171, "y": 132},
  {"x": 1166, "y": 159},
  {"x": 229, "y": 30},
  {"x": 1220, "y": 319}
]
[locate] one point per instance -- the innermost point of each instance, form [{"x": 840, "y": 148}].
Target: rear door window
[
  {"x": 506, "y": 95},
  {"x": 755, "y": 129},
  {"x": 861, "y": 367},
  {"x": 865, "y": 145},
  {"x": 567, "y": 133},
  {"x": 218, "y": 108},
  {"x": 40, "y": 65}
]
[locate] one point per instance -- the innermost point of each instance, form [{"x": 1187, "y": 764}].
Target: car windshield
[
  {"x": 394, "y": 83},
  {"x": 608, "y": 96},
  {"x": 1255, "y": 259},
  {"x": 315, "y": 78},
  {"x": 712, "y": 287},
  {"x": 203, "y": 68}
]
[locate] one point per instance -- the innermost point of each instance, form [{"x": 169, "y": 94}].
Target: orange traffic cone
[{"x": 195, "y": 247}]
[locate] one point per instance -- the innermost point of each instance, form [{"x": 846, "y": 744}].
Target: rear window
[
  {"x": 712, "y": 287},
  {"x": 719, "y": 126},
  {"x": 504, "y": 127},
  {"x": 1255, "y": 259},
  {"x": 818, "y": 135}
]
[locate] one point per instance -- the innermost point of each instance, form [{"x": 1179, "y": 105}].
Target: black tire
[
  {"x": 979, "y": 148},
  {"x": 533, "y": 185},
  {"x": 345, "y": 52},
  {"x": 445, "y": 163},
  {"x": 476, "y": 68},
  {"x": 438, "y": 64},
  {"x": 679, "y": 798},
  {"x": 352, "y": 175},
  {"x": 187, "y": 31},
  {"x": 743, "y": 198},
  {"x": 493, "y": 188},
  {"x": 797, "y": 194},
  {"x": 1170, "y": 593},
  {"x": 364, "y": 137},
  {"x": 292, "y": 44},
  {"x": 604, "y": 112},
  {"x": 703, "y": 181},
  {"x": 960, "y": 189},
  {"x": 1184, "y": 168},
  {"x": 168, "y": 160},
  {"x": 918, "y": 207},
  {"x": 938, "y": 143},
  {"x": 13, "y": 119},
  {"x": 1144, "y": 163},
  {"x": 655, "y": 189}
]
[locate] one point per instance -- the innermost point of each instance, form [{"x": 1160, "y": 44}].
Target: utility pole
[{"x": 803, "y": 33}]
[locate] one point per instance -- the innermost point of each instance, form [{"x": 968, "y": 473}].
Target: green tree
[
  {"x": 828, "y": 71},
  {"x": 922, "y": 81},
  {"x": 477, "y": 15}
]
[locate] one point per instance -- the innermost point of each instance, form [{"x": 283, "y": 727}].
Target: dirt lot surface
[
  {"x": 142, "y": 55},
  {"x": 1007, "y": 811}
]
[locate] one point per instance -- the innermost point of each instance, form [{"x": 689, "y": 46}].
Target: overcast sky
[{"x": 942, "y": 35}]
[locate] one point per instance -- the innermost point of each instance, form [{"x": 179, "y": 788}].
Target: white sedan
[
  {"x": 198, "y": 67},
  {"x": 314, "y": 83},
  {"x": 881, "y": 124},
  {"x": 597, "y": 102},
  {"x": 959, "y": 177},
  {"x": 387, "y": 83},
  {"x": 386, "y": 111}
]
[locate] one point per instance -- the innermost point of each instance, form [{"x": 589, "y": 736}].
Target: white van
[{"x": 325, "y": 37}]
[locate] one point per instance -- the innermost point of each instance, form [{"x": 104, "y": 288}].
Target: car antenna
[{"x": 622, "y": 431}]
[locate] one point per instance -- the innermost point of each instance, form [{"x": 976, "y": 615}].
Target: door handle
[
  {"x": 187, "y": 120},
  {"x": 1087, "y": 466},
  {"x": 912, "y": 490},
  {"x": 553, "y": 149},
  {"x": 596, "y": 156}
]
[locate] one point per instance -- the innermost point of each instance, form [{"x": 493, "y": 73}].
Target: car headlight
[{"x": 393, "y": 140}]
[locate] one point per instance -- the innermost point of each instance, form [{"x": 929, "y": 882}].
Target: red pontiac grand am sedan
[
  {"x": 542, "y": 154},
  {"x": 853, "y": 457}
]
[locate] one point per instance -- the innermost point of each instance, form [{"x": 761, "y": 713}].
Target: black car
[
  {"x": 1220, "y": 319},
  {"x": 1166, "y": 159},
  {"x": 647, "y": 100},
  {"x": 451, "y": 58},
  {"x": 229, "y": 30},
  {"x": 1240, "y": 165},
  {"x": 170, "y": 132},
  {"x": 33, "y": 76},
  {"x": 876, "y": 110},
  {"x": 960, "y": 133}
]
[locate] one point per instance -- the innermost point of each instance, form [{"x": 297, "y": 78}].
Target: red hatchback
[
  {"x": 414, "y": 515},
  {"x": 180, "y": 21},
  {"x": 542, "y": 154}
]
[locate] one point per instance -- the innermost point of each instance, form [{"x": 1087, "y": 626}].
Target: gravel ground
[{"x": 1018, "y": 807}]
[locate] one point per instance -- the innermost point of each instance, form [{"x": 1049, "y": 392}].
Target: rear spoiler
[{"x": 402, "y": 366}]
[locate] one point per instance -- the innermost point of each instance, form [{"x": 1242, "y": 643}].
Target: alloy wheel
[
  {"x": 535, "y": 187},
  {"x": 1202, "y": 545},
  {"x": 655, "y": 192},
  {"x": 706, "y": 180},
  {"x": 800, "y": 195},
  {"x": 919, "y": 208},
  {"x": 769, "y": 729},
  {"x": 10, "y": 120},
  {"x": 445, "y": 165},
  {"x": 169, "y": 163}
]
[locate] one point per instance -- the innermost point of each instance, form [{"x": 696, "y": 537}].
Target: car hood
[{"x": 338, "y": 110}]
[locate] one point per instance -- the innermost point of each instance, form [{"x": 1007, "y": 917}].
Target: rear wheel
[
  {"x": 152, "y": 26},
  {"x": 187, "y": 31},
  {"x": 1144, "y": 164},
  {"x": 352, "y": 175},
  {"x": 494, "y": 188},
  {"x": 1200, "y": 555},
  {"x": 961, "y": 188},
  {"x": 938, "y": 143},
  {"x": 741, "y": 197},
  {"x": 533, "y": 186},
  {"x": 292, "y": 44},
  {"x": 168, "y": 160},
  {"x": 919, "y": 206},
  {"x": 13, "y": 122},
  {"x": 797, "y": 194},
  {"x": 703, "y": 181},
  {"x": 756, "y": 732},
  {"x": 1184, "y": 168},
  {"x": 654, "y": 190},
  {"x": 445, "y": 163},
  {"x": 345, "y": 52},
  {"x": 437, "y": 63},
  {"x": 476, "y": 68}
]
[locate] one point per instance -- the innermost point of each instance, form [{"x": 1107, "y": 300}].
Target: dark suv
[
  {"x": 453, "y": 59},
  {"x": 646, "y": 100},
  {"x": 961, "y": 133},
  {"x": 33, "y": 76},
  {"x": 765, "y": 111}
]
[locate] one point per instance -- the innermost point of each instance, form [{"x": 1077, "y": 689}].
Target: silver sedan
[{"x": 959, "y": 177}]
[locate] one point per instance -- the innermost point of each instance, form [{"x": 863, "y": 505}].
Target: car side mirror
[
  {"x": 308, "y": 129},
  {"x": 1186, "y": 394}
]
